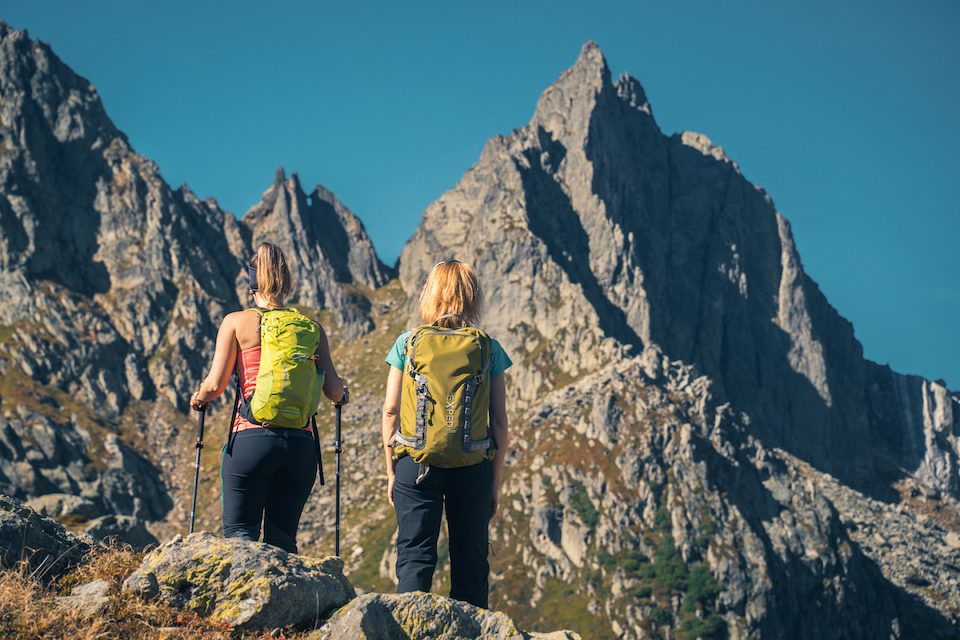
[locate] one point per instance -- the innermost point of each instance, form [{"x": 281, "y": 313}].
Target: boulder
[
  {"x": 90, "y": 598},
  {"x": 46, "y": 546},
  {"x": 121, "y": 529},
  {"x": 61, "y": 506},
  {"x": 424, "y": 616},
  {"x": 241, "y": 583}
]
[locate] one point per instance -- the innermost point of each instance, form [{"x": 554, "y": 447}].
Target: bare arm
[
  {"x": 224, "y": 359},
  {"x": 390, "y": 422},
  {"x": 498, "y": 417},
  {"x": 333, "y": 386}
]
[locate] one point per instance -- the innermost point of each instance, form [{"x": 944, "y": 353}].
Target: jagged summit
[
  {"x": 326, "y": 236},
  {"x": 87, "y": 223},
  {"x": 598, "y": 237},
  {"x": 649, "y": 239}
]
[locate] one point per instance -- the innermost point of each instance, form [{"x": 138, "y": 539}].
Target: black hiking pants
[
  {"x": 465, "y": 494},
  {"x": 267, "y": 477}
]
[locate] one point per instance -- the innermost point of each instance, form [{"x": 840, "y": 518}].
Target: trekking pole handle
[
  {"x": 200, "y": 421},
  {"x": 337, "y": 448}
]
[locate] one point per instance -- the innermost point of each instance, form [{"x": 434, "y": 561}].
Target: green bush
[
  {"x": 582, "y": 504},
  {"x": 702, "y": 588},
  {"x": 662, "y": 519},
  {"x": 661, "y": 616},
  {"x": 633, "y": 560},
  {"x": 643, "y": 591},
  {"x": 606, "y": 560},
  {"x": 671, "y": 572},
  {"x": 711, "y": 626}
]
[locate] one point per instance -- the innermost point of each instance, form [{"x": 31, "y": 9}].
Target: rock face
[
  {"x": 660, "y": 317},
  {"x": 424, "y": 616},
  {"x": 121, "y": 530},
  {"x": 326, "y": 245},
  {"x": 592, "y": 229},
  {"x": 48, "y": 549},
  {"x": 244, "y": 584}
]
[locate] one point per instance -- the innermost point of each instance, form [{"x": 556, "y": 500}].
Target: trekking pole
[
  {"x": 338, "y": 449},
  {"x": 196, "y": 473}
]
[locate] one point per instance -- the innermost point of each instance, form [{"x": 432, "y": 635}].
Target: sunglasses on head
[{"x": 444, "y": 262}]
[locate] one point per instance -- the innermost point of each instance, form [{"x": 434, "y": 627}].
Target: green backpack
[
  {"x": 445, "y": 398},
  {"x": 289, "y": 384}
]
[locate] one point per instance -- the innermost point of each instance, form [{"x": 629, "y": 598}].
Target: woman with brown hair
[
  {"x": 444, "y": 433},
  {"x": 267, "y": 471}
]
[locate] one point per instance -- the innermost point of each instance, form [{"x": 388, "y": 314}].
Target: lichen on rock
[
  {"x": 241, "y": 583},
  {"x": 424, "y": 616}
]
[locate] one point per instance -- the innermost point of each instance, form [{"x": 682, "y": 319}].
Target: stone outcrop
[
  {"x": 326, "y": 245},
  {"x": 114, "y": 529},
  {"x": 254, "y": 585},
  {"x": 424, "y": 616},
  {"x": 64, "y": 505},
  {"x": 669, "y": 344},
  {"x": 47, "y": 548},
  {"x": 244, "y": 584}
]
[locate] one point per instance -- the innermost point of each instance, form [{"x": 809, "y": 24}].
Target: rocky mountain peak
[
  {"x": 325, "y": 242},
  {"x": 630, "y": 91},
  {"x": 564, "y": 109},
  {"x": 642, "y": 239}
]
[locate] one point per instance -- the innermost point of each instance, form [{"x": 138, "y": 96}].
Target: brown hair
[
  {"x": 451, "y": 288},
  {"x": 273, "y": 275}
]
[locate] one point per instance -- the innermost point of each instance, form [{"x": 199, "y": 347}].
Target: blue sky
[{"x": 844, "y": 111}]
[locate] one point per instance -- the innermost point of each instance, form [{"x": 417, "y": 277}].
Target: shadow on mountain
[
  {"x": 686, "y": 213},
  {"x": 325, "y": 226},
  {"x": 552, "y": 219},
  {"x": 66, "y": 240},
  {"x": 871, "y": 605}
]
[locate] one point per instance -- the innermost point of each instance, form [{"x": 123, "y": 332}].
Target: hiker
[
  {"x": 444, "y": 435},
  {"x": 271, "y": 458}
]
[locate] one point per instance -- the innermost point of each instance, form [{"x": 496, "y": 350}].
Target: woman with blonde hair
[
  {"x": 271, "y": 459},
  {"x": 444, "y": 434}
]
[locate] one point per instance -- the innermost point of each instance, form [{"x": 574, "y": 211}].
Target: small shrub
[
  {"x": 671, "y": 572},
  {"x": 702, "y": 588},
  {"x": 661, "y": 616},
  {"x": 662, "y": 519},
  {"x": 582, "y": 504},
  {"x": 711, "y": 626},
  {"x": 633, "y": 560},
  {"x": 606, "y": 559},
  {"x": 643, "y": 591}
]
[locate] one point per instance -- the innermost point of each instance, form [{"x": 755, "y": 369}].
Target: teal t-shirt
[{"x": 397, "y": 356}]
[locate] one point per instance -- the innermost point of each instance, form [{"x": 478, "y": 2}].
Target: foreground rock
[
  {"x": 90, "y": 598},
  {"x": 46, "y": 546},
  {"x": 423, "y": 616},
  {"x": 122, "y": 530},
  {"x": 241, "y": 583}
]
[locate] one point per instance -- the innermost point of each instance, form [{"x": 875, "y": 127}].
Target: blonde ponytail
[{"x": 273, "y": 275}]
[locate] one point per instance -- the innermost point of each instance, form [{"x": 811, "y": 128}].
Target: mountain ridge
[{"x": 657, "y": 310}]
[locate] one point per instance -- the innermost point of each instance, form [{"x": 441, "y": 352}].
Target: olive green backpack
[
  {"x": 445, "y": 398},
  {"x": 289, "y": 383}
]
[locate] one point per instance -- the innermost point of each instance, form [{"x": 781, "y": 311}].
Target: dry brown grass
[{"x": 29, "y": 609}]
